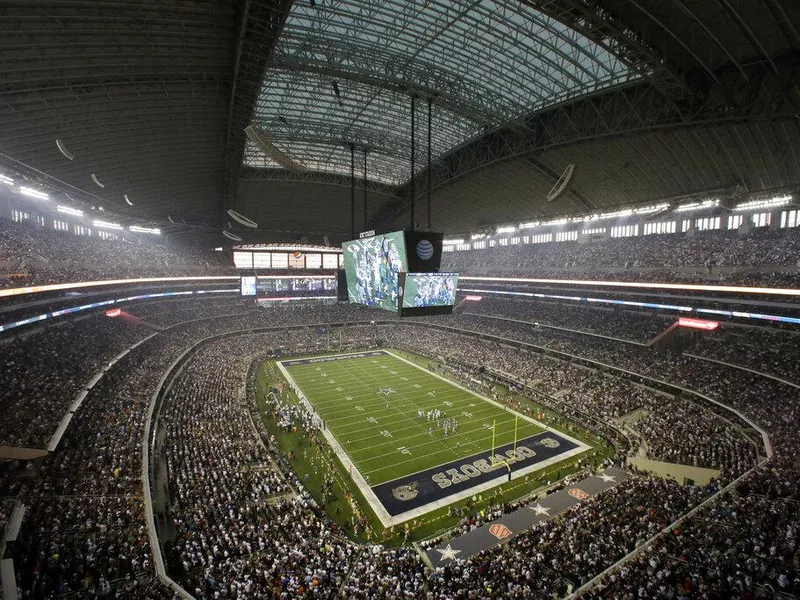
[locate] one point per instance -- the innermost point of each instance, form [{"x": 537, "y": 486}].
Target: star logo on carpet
[
  {"x": 540, "y": 510},
  {"x": 385, "y": 391},
  {"x": 448, "y": 553},
  {"x": 607, "y": 478}
]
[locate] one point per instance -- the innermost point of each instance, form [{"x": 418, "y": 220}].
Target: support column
[
  {"x": 352, "y": 192},
  {"x": 365, "y": 189},
  {"x": 430, "y": 101},
  {"x": 413, "y": 188}
]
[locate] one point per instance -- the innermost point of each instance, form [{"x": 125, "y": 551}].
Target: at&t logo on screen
[{"x": 424, "y": 249}]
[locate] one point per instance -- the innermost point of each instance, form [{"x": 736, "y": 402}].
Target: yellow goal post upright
[{"x": 493, "y": 456}]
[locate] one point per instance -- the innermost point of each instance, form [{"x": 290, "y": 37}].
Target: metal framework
[
  {"x": 635, "y": 109},
  {"x": 343, "y": 72}
]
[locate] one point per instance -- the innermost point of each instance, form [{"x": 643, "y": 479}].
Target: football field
[{"x": 414, "y": 441}]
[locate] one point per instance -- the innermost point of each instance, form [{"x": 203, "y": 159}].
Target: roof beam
[
  {"x": 748, "y": 33},
  {"x": 678, "y": 39},
  {"x": 261, "y": 24},
  {"x": 635, "y": 108},
  {"x": 391, "y": 82}
]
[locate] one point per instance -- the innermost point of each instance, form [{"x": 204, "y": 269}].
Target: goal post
[{"x": 504, "y": 462}]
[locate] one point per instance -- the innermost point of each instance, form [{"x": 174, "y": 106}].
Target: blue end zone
[
  {"x": 412, "y": 491},
  {"x": 325, "y": 359}
]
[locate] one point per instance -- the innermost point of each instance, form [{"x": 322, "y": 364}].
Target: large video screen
[
  {"x": 422, "y": 290},
  {"x": 267, "y": 286},
  {"x": 372, "y": 265}
]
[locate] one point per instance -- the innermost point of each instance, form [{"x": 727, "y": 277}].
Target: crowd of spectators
[
  {"x": 36, "y": 255},
  {"x": 760, "y": 257},
  {"x": 242, "y": 526},
  {"x": 32, "y": 254},
  {"x": 771, "y": 351},
  {"x": 629, "y": 325},
  {"x": 233, "y": 542},
  {"x": 742, "y": 545},
  {"x": 84, "y": 530},
  {"x": 770, "y": 404},
  {"x": 230, "y": 539},
  {"x": 676, "y": 430},
  {"x": 45, "y": 369}
]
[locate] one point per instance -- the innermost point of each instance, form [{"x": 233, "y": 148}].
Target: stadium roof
[
  {"x": 344, "y": 73},
  {"x": 649, "y": 99}
]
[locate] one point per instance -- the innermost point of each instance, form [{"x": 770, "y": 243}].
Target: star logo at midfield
[
  {"x": 540, "y": 510},
  {"x": 607, "y": 478},
  {"x": 448, "y": 553}
]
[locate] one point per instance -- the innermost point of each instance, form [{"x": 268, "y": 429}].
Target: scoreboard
[
  {"x": 398, "y": 272},
  {"x": 425, "y": 290},
  {"x": 372, "y": 266}
]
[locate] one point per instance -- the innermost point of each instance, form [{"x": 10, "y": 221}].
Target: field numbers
[
  {"x": 448, "y": 403},
  {"x": 403, "y": 450},
  {"x": 359, "y": 408},
  {"x": 467, "y": 414},
  {"x": 386, "y": 433},
  {"x": 372, "y": 420}
]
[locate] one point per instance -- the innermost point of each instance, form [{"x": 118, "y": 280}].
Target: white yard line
[
  {"x": 490, "y": 401},
  {"x": 429, "y": 424},
  {"x": 377, "y": 411},
  {"x": 359, "y": 480}
]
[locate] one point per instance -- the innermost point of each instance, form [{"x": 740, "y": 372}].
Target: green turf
[{"x": 346, "y": 395}]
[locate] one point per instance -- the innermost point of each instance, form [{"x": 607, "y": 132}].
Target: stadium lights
[
  {"x": 509, "y": 229},
  {"x": 137, "y": 229},
  {"x": 106, "y": 224},
  {"x": 477, "y": 236},
  {"x": 728, "y": 289},
  {"x": 28, "y": 191},
  {"x": 627, "y": 212},
  {"x": 6, "y": 179},
  {"x": 288, "y": 248},
  {"x": 701, "y": 324},
  {"x": 697, "y": 205},
  {"x": 765, "y": 203},
  {"x": 67, "y": 210},
  {"x": 452, "y": 242}
]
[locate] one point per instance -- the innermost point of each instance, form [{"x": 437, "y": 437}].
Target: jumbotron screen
[
  {"x": 422, "y": 290},
  {"x": 372, "y": 265}
]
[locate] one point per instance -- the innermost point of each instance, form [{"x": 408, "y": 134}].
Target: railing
[{"x": 76, "y": 404}]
